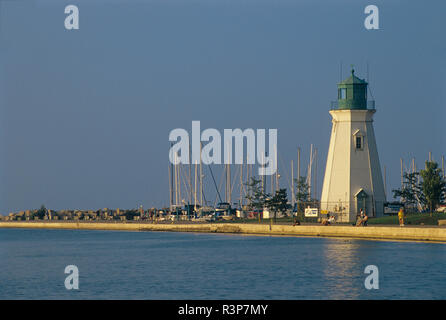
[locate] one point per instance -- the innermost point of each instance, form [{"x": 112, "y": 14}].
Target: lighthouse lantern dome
[{"x": 352, "y": 93}]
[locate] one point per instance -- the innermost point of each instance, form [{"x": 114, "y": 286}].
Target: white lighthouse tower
[{"x": 353, "y": 179}]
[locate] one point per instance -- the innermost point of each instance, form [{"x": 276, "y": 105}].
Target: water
[{"x": 157, "y": 265}]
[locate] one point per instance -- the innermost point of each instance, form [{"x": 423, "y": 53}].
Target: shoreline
[{"x": 383, "y": 233}]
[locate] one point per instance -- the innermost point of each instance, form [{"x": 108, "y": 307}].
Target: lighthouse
[{"x": 353, "y": 179}]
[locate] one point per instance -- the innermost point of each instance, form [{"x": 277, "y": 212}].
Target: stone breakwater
[{"x": 435, "y": 234}]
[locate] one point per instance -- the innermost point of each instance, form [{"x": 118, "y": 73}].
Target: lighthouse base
[{"x": 347, "y": 211}]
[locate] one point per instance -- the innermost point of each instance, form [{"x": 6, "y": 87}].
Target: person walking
[{"x": 401, "y": 216}]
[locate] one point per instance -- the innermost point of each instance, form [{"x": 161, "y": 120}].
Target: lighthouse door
[{"x": 361, "y": 200}]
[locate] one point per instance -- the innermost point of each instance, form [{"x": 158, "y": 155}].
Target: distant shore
[{"x": 389, "y": 233}]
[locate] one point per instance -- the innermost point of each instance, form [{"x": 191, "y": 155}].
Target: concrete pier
[{"x": 435, "y": 234}]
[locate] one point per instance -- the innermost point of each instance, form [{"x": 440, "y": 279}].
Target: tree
[
  {"x": 256, "y": 196},
  {"x": 433, "y": 185},
  {"x": 41, "y": 212},
  {"x": 411, "y": 192},
  {"x": 302, "y": 193},
  {"x": 278, "y": 203},
  {"x": 129, "y": 214}
]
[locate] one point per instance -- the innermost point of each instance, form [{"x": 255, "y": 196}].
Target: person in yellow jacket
[{"x": 401, "y": 216}]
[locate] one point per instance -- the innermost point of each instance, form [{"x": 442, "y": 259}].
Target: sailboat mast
[
  {"x": 442, "y": 165},
  {"x": 178, "y": 184},
  {"x": 241, "y": 184},
  {"x": 292, "y": 184},
  {"x": 315, "y": 173},
  {"x": 195, "y": 186},
  {"x": 263, "y": 176},
  {"x": 170, "y": 186},
  {"x": 402, "y": 181},
  {"x": 298, "y": 164},
  {"x": 309, "y": 171},
  {"x": 277, "y": 168},
  {"x": 176, "y": 179},
  {"x": 201, "y": 180},
  {"x": 229, "y": 182},
  {"x": 272, "y": 182},
  {"x": 190, "y": 172}
]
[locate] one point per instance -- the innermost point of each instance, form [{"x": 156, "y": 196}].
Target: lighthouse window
[
  {"x": 358, "y": 142},
  {"x": 342, "y": 93}
]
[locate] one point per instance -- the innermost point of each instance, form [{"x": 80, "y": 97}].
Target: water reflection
[
  {"x": 202, "y": 266},
  {"x": 342, "y": 269}
]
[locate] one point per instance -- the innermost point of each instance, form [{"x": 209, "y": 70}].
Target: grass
[{"x": 411, "y": 219}]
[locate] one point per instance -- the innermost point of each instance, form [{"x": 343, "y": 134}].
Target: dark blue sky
[{"x": 85, "y": 114}]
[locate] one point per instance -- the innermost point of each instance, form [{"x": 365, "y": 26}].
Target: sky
[{"x": 85, "y": 114}]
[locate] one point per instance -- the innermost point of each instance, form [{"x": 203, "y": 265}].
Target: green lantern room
[{"x": 352, "y": 93}]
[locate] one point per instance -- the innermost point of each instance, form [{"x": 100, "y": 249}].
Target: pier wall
[{"x": 437, "y": 234}]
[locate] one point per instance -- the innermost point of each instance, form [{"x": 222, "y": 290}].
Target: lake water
[{"x": 164, "y": 265}]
